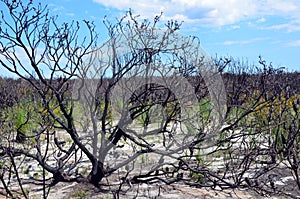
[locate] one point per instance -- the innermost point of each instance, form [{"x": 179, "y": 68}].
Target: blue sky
[{"x": 242, "y": 29}]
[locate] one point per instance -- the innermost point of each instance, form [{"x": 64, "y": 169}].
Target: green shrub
[
  {"x": 22, "y": 117},
  {"x": 79, "y": 194}
]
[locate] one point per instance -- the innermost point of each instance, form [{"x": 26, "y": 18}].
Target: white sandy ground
[{"x": 73, "y": 190}]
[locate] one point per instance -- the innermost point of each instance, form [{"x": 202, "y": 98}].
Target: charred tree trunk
[{"x": 97, "y": 173}]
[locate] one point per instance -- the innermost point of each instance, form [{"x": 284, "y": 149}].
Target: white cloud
[
  {"x": 289, "y": 27},
  {"x": 206, "y": 12},
  {"x": 234, "y": 27},
  {"x": 55, "y": 8},
  {"x": 243, "y": 42},
  {"x": 70, "y": 14},
  {"x": 295, "y": 43},
  {"x": 261, "y": 20},
  {"x": 210, "y": 12},
  {"x": 282, "y": 6}
]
